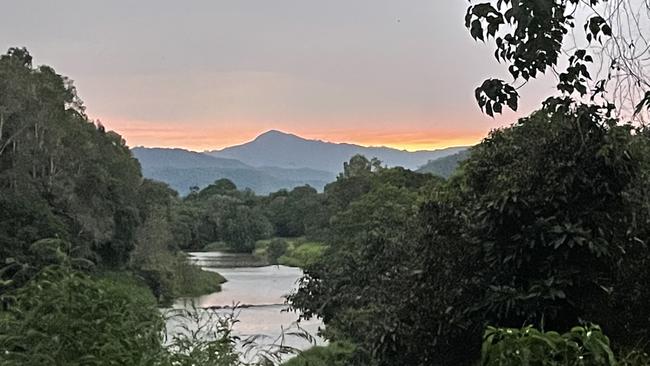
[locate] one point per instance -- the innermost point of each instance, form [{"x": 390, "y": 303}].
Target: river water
[{"x": 259, "y": 292}]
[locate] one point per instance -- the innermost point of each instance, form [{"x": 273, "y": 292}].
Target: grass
[{"x": 300, "y": 251}]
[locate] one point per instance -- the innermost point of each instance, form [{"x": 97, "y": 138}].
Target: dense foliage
[
  {"x": 221, "y": 216},
  {"x": 545, "y": 224},
  {"x": 335, "y": 354},
  {"x": 68, "y": 185},
  {"x": 446, "y": 166},
  {"x": 63, "y": 317},
  {"x": 61, "y": 176},
  {"x": 528, "y": 346}
]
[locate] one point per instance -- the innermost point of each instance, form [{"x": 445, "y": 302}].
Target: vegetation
[
  {"x": 532, "y": 38},
  {"x": 541, "y": 226},
  {"x": 292, "y": 252},
  {"x": 64, "y": 317},
  {"x": 334, "y": 354},
  {"x": 69, "y": 188},
  {"x": 275, "y": 250},
  {"x": 545, "y": 225},
  {"x": 446, "y": 166},
  {"x": 528, "y": 346}
]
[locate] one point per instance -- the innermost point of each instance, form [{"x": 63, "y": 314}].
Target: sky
[{"x": 204, "y": 75}]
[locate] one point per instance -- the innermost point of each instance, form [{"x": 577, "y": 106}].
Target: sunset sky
[{"x": 208, "y": 74}]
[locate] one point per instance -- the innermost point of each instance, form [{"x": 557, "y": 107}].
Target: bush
[
  {"x": 203, "y": 338},
  {"x": 302, "y": 255},
  {"x": 334, "y": 354},
  {"x": 275, "y": 250},
  {"x": 635, "y": 358},
  {"x": 192, "y": 281},
  {"x": 556, "y": 208},
  {"x": 528, "y": 346},
  {"x": 64, "y": 317},
  {"x": 171, "y": 276}
]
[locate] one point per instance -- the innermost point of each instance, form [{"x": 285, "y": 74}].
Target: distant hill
[
  {"x": 444, "y": 166},
  {"x": 182, "y": 169},
  {"x": 154, "y": 157},
  {"x": 280, "y": 149}
]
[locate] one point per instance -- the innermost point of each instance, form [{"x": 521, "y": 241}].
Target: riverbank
[
  {"x": 174, "y": 278},
  {"x": 194, "y": 281}
]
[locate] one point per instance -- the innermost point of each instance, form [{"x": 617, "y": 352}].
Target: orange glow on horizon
[
  {"x": 198, "y": 137},
  {"x": 410, "y": 141}
]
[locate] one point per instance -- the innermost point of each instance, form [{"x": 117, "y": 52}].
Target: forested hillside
[
  {"x": 445, "y": 166},
  {"x": 61, "y": 176},
  {"x": 70, "y": 191}
]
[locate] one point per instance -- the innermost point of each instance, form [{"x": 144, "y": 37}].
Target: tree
[
  {"x": 61, "y": 175},
  {"x": 546, "y": 224},
  {"x": 534, "y": 37},
  {"x": 290, "y": 212},
  {"x": 363, "y": 274},
  {"x": 359, "y": 166},
  {"x": 243, "y": 226},
  {"x": 221, "y": 187},
  {"x": 559, "y": 207},
  {"x": 152, "y": 257}
]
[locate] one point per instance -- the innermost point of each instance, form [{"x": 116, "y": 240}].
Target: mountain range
[
  {"x": 285, "y": 150},
  {"x": 272, "y": 161}
]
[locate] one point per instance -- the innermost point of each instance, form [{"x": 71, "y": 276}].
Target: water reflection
[{"x": 259, "y": 290}]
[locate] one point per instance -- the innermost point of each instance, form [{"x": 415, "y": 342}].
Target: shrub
[
  {"x": 303, "y": 255},
  {"x": 528, "y": 346},
  {"x": 192, "y": 281},
  {"x": 63, "y": 317},
  {"x": 203, "y": 337},
  {"x": 334, "y": 354},
  {"x": 635, "y": 358},
  {"x": 275, "y": 250},
  {"x": 584, "y": 345}
]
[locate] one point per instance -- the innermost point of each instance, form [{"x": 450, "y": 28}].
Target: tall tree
[{"x": 61, "y": 175}]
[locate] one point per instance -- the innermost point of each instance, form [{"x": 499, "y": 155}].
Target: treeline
[
  {"x": 546, "y": 224},
  {"x": 222, "y": 217}
]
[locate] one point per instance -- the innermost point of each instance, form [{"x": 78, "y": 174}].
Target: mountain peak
[{"x": 276, "y": 133}]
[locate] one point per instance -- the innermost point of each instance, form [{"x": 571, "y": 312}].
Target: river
[{"x": 259, "y": 291}]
